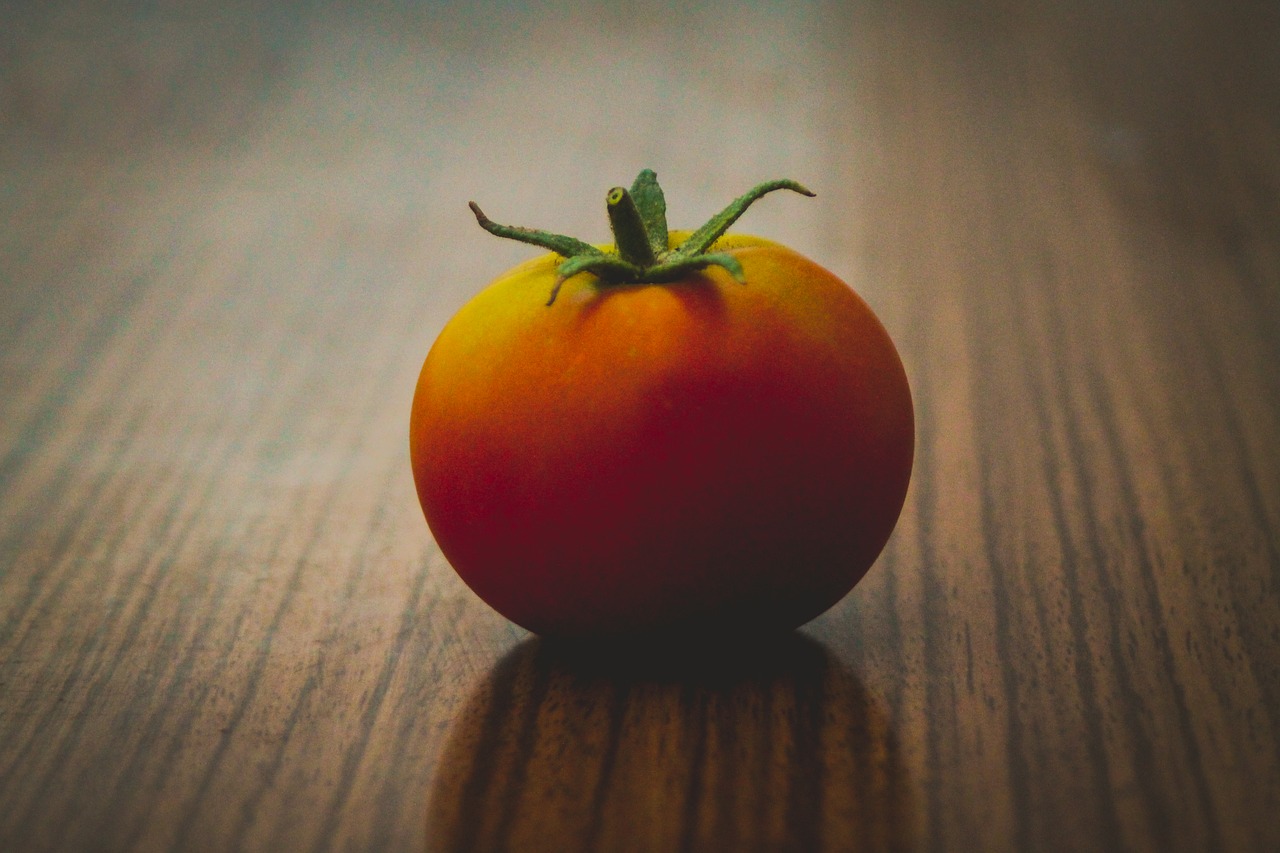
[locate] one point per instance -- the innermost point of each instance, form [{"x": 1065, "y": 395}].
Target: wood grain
[{"x": 230, "y": 236}]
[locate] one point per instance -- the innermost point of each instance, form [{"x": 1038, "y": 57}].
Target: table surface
[{"x": 231, "y": 235}]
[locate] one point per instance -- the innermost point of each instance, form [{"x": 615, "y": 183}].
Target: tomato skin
[{"x": 692, "y": 456}]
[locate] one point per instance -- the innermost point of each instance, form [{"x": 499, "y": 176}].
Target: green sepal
[
  {"x": 699, "y": 241},
  {"x": 565, "y": 246},
  {"x": 678, "y": 267},
  {"x": 652, "y": 205},
  {"x": 607, "y": 267}
]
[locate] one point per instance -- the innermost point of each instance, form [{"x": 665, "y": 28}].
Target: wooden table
[{"x": 229, "y": 237}]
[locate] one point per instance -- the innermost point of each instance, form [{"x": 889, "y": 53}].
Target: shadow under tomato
[{"x": 774, "y": 746}]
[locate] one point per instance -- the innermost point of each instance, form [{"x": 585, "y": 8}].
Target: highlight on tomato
[{"x": 681, "y": 434}]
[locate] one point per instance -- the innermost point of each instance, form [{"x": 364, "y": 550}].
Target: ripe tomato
[{"x": 694, "y": 455}]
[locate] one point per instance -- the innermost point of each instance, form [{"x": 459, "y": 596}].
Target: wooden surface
[{"x": 229, "y": 237}]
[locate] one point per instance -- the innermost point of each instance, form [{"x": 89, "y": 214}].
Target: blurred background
[{"x": 232, "y": 230}]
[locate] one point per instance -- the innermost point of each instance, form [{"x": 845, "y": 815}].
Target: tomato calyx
[{"x": 643, "y": 252}]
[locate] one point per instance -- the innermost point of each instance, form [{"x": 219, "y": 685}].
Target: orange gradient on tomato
[{"x": 695, "y": 456}]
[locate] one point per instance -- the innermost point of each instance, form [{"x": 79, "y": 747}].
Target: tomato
[{"x": 700, "y": 454}]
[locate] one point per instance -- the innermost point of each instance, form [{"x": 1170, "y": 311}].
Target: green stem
[{"x": 629, "y": 232}]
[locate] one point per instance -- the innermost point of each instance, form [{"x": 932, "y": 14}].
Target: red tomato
[{"x": 699, "y": 455}]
